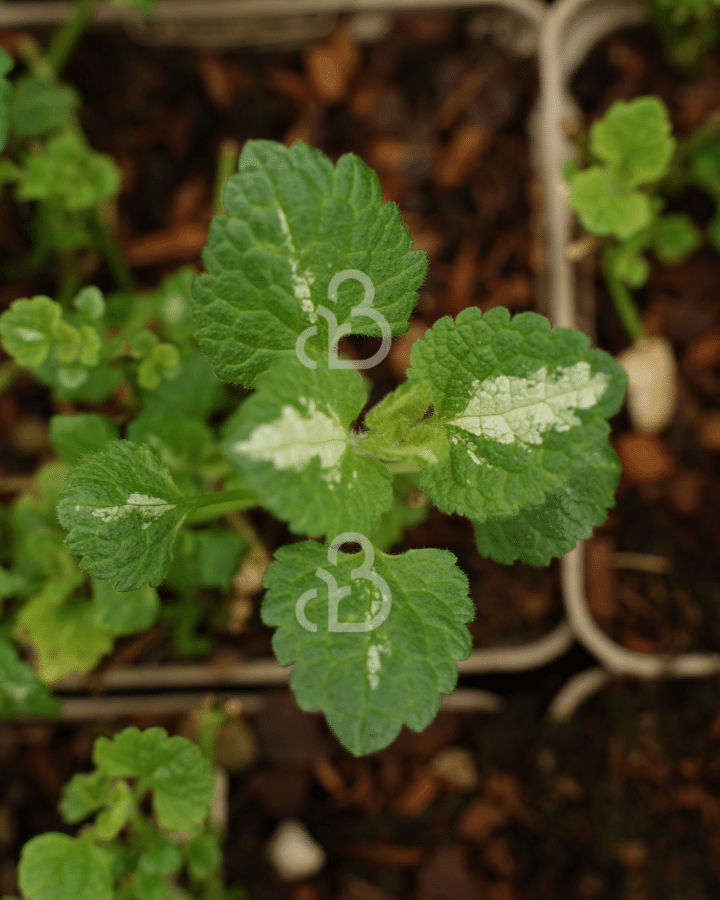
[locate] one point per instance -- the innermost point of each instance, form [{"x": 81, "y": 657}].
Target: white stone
[
  {"x": 293, "y": 851},
  {"x": 652, "y": 383}
]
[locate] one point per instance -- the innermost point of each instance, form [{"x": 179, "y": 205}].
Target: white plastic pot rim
[
  {"x": 26, "y": 14},
  {"x": 570, "y": 30}
]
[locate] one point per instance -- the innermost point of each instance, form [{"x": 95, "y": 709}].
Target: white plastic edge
[
  {"x": 19, "y": 15},
  {"x": 570, "y": 29}
]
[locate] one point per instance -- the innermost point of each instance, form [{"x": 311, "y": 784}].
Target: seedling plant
[
  {"x": 631, "y": 168},
  {"x": 123, "y": 852}
]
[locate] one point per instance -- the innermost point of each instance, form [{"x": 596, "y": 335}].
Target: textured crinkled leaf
[
  {"x": 112, "y": 820},
  {"x": 294, "y": 222},
  {"x": 604, "y": 209},
  {"x": 57, "y": 867},
  {"x": 21, "y": 691},
  {"x": 568, "y": 515},
  {"x": 123, "y": 512},
  {"x": 370, "y": 683},
  {"x": 521, "y": 404},
  {"x": 39, "y": 105},
  {"x": 397, "y": 429},
  {"x": 178, "y": 774},
  {"x": 291, "y": 440},
  {"x": 634, "y": 138},
  {"x": 75, "y": 436}
]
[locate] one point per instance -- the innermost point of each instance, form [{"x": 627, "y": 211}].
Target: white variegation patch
[
  {"x": 294, "y": 439},
  {"x": 373, "y": 663},
  {"x": 149, "y": 508},
  {"x": 301, "y": 282},
  {"x": 508, "y": 409},
  {"x": 29, "y": 335}
]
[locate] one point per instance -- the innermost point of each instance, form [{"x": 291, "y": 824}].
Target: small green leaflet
[
  {"x": 21, "y": 691},
  {"x": 634, "y": 140},
  {"x": 123, "y": 512},
  {"x": 294, "y": 223},
  {"x": 39, "y": 106},
  {"x": 75, "y": 436},
  {"x": 172, "y": 767},
  {"x": 57, "y": 867},
  {"x": 370, "y": 683},
  {"x": 538, "y": 534},
  {"x": 291, "y": 439},
  {"x": 522, "y": 406},
  {"x": 6, "y": 92}
]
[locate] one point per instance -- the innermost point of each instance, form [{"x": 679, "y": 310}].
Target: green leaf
[
  {"x": 292, "y": 441},
  {"x": 68, "y": 171},
  {"x": 369, "y": 683},
  {"x": 179, "y": 440},
  {"x": 63, "y": 631},
  {"x": 173, "y": 767},
  {"x": 112, "y": 820},
  {"x": 124, "y": 612},
  {"x": 174, "y": 298},
  {"x": 39, "y": 106},
  {"x": 21, "y": 691},
  {"x": 161, "y": 857},
  {"x": 28, "y": 329},
  {"x": 410, "y": 507},
  {"x": 6, "y": 94},
  {"x": 203, "y": 855},
  {"x": 522, "y": 405},
  {"x": 538, "y": 534},
  {"x": 294, "y": 222},
  {"x": 57, "y": 867},
  {"x": 84, "y": 795},
  {"x": 218, "y": 553},
  {"x": 75, "y": 436},
  {"x": 634, "y": 139},
  {"x": 605, "y": 208},
  {"x": 123, "y": 511},
  {"x": 194, "y": 389},
  {"x": 674, "y": 238}
]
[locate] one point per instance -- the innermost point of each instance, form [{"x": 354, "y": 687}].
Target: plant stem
[
  {"x": 108, "y": 246},
  {"x": 227, "y": 161},
  {"x": 69, "y": 33},
  {"x": 622, "y": 298},
  {"x": 246, "y": 529}
]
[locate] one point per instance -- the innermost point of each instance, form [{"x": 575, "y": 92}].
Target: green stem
[
  {"x": 245, "y": 528},
  {"x": 69, "y": 33},
  {"x": 222, "y": 507},
  {"x": 107, "y": 244},
  {"x": 227, "y": 161},
  {"x": 622, "y": 298}
]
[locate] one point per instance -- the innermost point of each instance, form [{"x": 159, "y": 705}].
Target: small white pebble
[
  {"x": 293, "y": 851},
  {"x": 652, "y": 383},
  {"x": 456, "y": 766}
]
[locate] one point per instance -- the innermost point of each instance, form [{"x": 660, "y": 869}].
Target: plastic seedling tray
[{"x": 570, "y": 30}]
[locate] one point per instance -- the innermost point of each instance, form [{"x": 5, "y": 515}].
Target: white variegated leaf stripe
[
  {"x": 522, "y": 405},
  {"x": 293, "y": 223},
  {"x": 292, "y": 440}
]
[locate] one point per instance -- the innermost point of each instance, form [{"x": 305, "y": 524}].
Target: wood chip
[
  {"x": 709, "y": 432},
  {"x": 167, "y": 245},
  {"x": 423, "y": 788},
  {"x": 703, "y": 351},
  {"x": 480, "y": 820},
  {"x": 399, "y": 856},
  {"x": 600, "y": 581},
  {"x": 331, "y": 65},
  {"x": 645, "y": 458},
  {"x": 461, "y": 156},
  {"x": 456, "y": 767}
]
